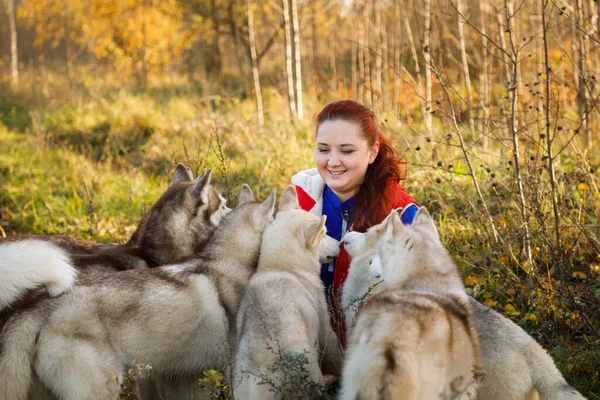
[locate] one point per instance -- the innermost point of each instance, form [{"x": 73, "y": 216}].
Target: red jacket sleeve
[
  {"x": 306, "y": 202},
  {"x": 402, "y": 197}
]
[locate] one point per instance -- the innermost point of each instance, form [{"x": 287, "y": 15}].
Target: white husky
[{"x": 283, "y": 314}]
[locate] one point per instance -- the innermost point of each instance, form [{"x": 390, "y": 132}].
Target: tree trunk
[
  {"x": 427, "y": 56},
  {"x": 415, "y": 56},
  {"x": 397, "y": 65},
  {"x": 512, "y": 88},
  {"x": 14, "y": 56},
  {"x": 582, "y": 93},
  {"x": 362, "y": 76},
  {"x": 68, "y": 57},
  {"x": 297, "y": 60},
  {"x": 368, "y": 69},
  {"x": 465, "y": 65},
  {"x": 354, "y": 69},
  {"x": 255, "y": 75},
  {"x": 485, "y": 87},
  {"x": 216, "y": 65},
  {"x": 548, "y": 131},
  {"x": 289, "y": 68},
  {"x": 378, "y": 51}
]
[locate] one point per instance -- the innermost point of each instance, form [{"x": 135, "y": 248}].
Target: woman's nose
[{"x": 333, "y": 159}]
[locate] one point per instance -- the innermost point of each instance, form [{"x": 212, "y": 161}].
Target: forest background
[{"x": 494, "y": 103}]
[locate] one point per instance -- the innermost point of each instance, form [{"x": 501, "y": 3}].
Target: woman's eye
[
  {"x": 323, "y": 150},
  {"x": 347, "y": 151}
]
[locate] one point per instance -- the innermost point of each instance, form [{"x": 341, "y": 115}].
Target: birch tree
[
  {"x": 465, "y": 65},
  {"x": 289, "y": 69},
  {"x": 297, "y": 60},
  {"x": 254, "y": 61},
  {"x": 14, "y": 56}
]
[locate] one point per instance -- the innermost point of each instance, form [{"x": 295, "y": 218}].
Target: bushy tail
[
  {"x": 17, "y": 348},
  {"x": 547, "y": 379},
  {"x": 27, "y": 264}
]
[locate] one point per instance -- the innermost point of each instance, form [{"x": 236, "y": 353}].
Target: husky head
[
  {"x": 362, "y": 247},
  {"x": 182, "y": 220},
  {"x": 329, "y": 248},
  {"x": 296, "y": 237},
  {"x": 240, "y": 232},
  {"x": 407, "y": 251}
]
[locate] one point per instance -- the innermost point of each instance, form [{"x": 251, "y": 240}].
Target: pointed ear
[
  {"x": 394, "y": 226},
  {"x": 425, "y": 222},
  {"x": 246, "y": 194},
  {"x": 214, "y": 202},
  {"x": 182, "y": 174},
  {"x": 314, "y": 232},
  {"x": 289, "y": 199},
  {"x": 200, "y": 187},
  {"x": 268, "y": 206}
]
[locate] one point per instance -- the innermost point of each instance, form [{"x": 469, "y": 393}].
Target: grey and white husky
[
  {"x": 515, "y": 366},
  {"x": 175, "y": 228},
  {"x": 180, "y": 319},
  {"x": 284, "y": 312}
]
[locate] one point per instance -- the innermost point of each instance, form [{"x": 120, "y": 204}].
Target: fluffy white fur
[{"x": 27, "y": 264}]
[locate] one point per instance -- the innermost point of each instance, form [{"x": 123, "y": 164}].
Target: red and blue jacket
[{"x": 315, "y": 197}]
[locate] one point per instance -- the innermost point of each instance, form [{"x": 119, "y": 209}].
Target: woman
[{"x": 356, "y": 183}]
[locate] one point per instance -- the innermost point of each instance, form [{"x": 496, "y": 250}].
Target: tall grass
[{"x": 89, "y": 160}]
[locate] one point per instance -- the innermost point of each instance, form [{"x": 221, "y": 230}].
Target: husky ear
[
  {"x": 394, "y": 226},
  {"x": 201, "y": 186},
  {"x": 246, "y": 194},
  {"x": 424, "y": 221},
  {"x": 314, "y": 232},
  {"x": 182, "y": 174},
  {"x": 289, "y": 199},
  {"x": 268, "y": 206},
  {"x": 214, "y": 202}
]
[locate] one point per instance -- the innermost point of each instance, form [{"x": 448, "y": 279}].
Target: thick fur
[
  {"x": 174, "y": 229},
  {"x": 415, "y": 337},
  {"x": 28, "y": 264},
  {"x": 284, "y": 310},
  {"x": 180, "y": 319},
  {"x": 515, "y": 366}
]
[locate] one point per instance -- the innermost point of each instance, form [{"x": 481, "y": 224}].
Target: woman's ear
[{"x": 373, "y": 152}]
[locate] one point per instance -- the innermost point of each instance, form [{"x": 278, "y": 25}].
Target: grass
[{"x": 88, "y": 161}]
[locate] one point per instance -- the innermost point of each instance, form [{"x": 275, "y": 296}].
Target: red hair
[{"x": 375, "y": 197}]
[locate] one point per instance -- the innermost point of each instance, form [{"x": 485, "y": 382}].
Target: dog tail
[
  {"x": 547, "y": 379},
  {"x": 17, "y": 351},
  {"x": 27, "y": 264}
]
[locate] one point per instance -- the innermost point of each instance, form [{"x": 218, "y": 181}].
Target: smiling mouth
[{"x": 336, "y": 172}]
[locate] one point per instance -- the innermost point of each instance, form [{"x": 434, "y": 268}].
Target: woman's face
[{"x": 343, "y": 155}]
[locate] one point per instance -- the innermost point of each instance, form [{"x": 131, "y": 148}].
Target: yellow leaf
[
  {"x": 531, "y": 317},
  {"x": 490, "y": 303},
  {"x": 472, "y": 280},
  {"x": 582, "y": 186},
  {"x": 510, "y": 309},
  {"x": 579, "y": 275}
]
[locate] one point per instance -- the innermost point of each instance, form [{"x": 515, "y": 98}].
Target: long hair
[{"x": 376, "y": 195}]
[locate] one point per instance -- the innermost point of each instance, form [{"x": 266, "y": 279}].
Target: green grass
[{"x": 89, "y": 161}]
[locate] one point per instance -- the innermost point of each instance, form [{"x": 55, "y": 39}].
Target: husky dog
[
  {"x": 284, "y": 311},
  {"x": 415, "y": 337},
  {"x": 180, "y": 319},
  {"x": 515, "y": 366},
  {"x": 175, "y": 228},
  {"x": 28, "y": 264}
]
